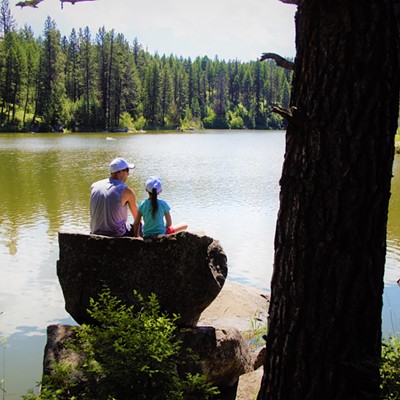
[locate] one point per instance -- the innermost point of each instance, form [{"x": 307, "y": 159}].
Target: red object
[{"x": 169, "y": 230}]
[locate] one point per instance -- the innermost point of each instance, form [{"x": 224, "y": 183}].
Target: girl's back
[
  {"x": 155, "y": 212},
  {"x": 153, "y": 224}
]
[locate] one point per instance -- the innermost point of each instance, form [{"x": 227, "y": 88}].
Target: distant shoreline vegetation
[
  {"x": 397, "y": 142},
  {"x": 102, "y": 82}
]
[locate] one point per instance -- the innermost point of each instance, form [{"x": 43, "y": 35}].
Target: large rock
[
  {"x": 222, "y": 353},
  {"x": 186, "y": 271},
  {"x": 57, "y": 351}
]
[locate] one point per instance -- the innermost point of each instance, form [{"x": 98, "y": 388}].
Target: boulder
[
  {"x": 259, "y": 356},
  {"x": 56, "y": 350},
  {"x": 186, "y": 271},
  {"x": 222, "y": 353}
]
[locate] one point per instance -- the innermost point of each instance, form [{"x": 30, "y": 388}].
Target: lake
[{"x": 222, "y": 183}]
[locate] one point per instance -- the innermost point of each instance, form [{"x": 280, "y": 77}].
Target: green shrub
[
  {"x": 127, "y": 354},
  {"x": 139, "y": 123},
  {"x": 125, "y": 121},
  {"x": 236, "y": 123},
  {"x": 390, "y": 369}
]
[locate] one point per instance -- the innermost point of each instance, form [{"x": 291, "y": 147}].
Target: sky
[{"x": 229, "y": 29}]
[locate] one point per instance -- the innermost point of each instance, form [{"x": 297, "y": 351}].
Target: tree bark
[{"x": 324, "y": 334}]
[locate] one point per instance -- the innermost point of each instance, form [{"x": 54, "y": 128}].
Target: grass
[
  {"x": 258, "y": 329},
  {"x": 3, "y": 342}
]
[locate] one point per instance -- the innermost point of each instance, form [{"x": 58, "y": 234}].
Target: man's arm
[{"x": 128, "y": 197}]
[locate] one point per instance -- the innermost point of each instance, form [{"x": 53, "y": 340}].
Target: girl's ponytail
[
  {"x": 153, "y": 187},
  {"x": 154, "y": 202}
]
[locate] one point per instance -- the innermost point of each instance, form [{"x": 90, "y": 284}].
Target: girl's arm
[
  {"x": 168, "y": 219},
  {"x": 136, "y": 224}
]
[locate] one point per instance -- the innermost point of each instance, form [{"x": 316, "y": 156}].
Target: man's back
[{"x": 107, "y": 214}]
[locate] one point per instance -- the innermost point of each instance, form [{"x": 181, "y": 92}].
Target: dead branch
[
  {"x": 280, "y": 61},
  {"x": 291, "y": 114},
  {"x": 286, "y": 113},
  {"x": 34, "y": 3}
]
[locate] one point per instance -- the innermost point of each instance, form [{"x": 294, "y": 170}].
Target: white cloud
[{"x": 228, "y": 28}]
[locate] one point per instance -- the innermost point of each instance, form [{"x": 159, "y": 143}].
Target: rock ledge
[{"x": 186, "y": 271}]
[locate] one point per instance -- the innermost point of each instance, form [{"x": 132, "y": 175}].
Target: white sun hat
[{"x": 118, "y": 164}]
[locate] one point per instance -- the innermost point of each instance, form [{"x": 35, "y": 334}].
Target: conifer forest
[{"x": 104, "y": 82}]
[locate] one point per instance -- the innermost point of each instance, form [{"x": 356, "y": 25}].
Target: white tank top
[{"x": 107, "y": 215}]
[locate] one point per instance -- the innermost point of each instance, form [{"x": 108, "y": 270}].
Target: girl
[{"x": 153, "y": 211}]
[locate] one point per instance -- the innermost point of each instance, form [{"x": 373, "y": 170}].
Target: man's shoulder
[
  {"x": 101, "y": 182},
  {"x": 128, "y": 189},
  {"x": 107, "y": 184}
]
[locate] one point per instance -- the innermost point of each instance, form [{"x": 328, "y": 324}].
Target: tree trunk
[{"x": 324, "y": 334}]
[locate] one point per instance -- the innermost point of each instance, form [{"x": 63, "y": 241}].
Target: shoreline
[{"x": 238, "y": 305}]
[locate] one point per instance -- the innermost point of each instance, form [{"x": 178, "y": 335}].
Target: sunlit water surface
[{"x": 222, "y": 183}]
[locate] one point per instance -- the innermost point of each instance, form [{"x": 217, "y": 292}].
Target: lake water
[{"x": 222, "y": 183}]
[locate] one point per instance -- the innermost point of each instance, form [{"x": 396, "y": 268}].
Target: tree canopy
[{"x": 103, "y": 81}]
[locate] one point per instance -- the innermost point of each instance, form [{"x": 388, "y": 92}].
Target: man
[{"x": 110, "y": 199}]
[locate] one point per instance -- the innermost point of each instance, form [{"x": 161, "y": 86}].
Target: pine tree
[
  {"x": 51, "y": 93},
  {"x": 7, "y": 21}
]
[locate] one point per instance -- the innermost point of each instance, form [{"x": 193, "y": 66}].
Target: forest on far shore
[{"x": 100, "y": 82}]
